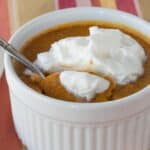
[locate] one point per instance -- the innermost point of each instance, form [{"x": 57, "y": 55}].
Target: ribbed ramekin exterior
[{"x": 39, "y": 132}]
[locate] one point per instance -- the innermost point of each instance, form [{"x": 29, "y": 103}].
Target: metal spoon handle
[{"x": 14, "y": 53}]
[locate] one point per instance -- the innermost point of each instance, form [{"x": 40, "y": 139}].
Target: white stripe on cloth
[
  {"x": 137, "y": 7},
  {"x": 56, "y": 4},
  {"x": 83, "y": 2}
]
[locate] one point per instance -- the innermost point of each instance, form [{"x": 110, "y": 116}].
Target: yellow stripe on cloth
[
  {"x": 108, "y": 3},
  {"x": 23, "y": 11}
]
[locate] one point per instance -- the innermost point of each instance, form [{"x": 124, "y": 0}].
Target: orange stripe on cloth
[
  {"x": 95, "y": 2},
  {"x": 4, "y": 23}
]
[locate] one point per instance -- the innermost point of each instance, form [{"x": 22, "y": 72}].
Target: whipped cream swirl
[
  {"x": 108, "y": 52},
  {"x": 83, "y": 84}
]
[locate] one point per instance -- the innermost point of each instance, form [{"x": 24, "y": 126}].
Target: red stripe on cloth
[
  {"x": 8, "y": 137},
  {"x": 127, "y": 5},
  {"x": 4, "y": 24},
  {"x": 95, "y": 2},
  {"x": 66, "y": 3}
]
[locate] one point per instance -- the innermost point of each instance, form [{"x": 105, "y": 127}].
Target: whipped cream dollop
[
  {"x": 105, "y": 51},
  {"x": 83, "y": 84}
]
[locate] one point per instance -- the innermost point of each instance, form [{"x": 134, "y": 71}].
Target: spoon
[{"x": 22, "y": 59}]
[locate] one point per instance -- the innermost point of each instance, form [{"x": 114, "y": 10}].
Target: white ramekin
[{"x": 44, "y": 123}]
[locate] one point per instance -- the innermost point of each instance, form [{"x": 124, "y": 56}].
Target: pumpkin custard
[{"x": 88, "y": 62}]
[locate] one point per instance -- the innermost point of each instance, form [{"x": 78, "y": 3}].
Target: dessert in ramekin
[{"x": 44, "y": 123}]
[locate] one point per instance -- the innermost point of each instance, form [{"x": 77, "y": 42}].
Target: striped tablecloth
[
  {"x": 125, "y": 5},
  {"x": 8, "y": 137}
]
